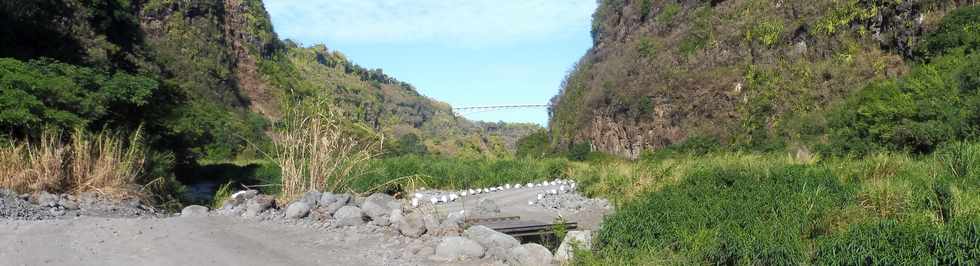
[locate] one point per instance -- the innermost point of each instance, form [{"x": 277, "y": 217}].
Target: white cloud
[{"x": 467, "y": 22}]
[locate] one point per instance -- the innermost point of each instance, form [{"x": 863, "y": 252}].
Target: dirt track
[
  {"x": 211, "y": 240},
  {"x": 222, "y": 240}
]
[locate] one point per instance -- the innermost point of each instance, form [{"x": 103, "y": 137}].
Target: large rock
[
  {"x": 298, "y": 210},
  {"x": 311, "y": 198},
  {"x": 530, "y": 255},
  {"x": 458, "y": 248},
  {"x": 46, "y": 199},
  {"x": 258, "y": 204},
  {"x": 349, "y": 216},
  {"x": 486, "y": 208},
  {"x": 573, "y": 240},
  {"x": 338, "y": 202},
  {"x": 326, "y": 198},
  {"x": 378, "y": 207},
  {"x": 194, "y": 211},
  {"x": 412, "y": 225},
  {"x": 498, "y": 244}
]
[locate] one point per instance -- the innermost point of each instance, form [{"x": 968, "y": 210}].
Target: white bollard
[
  {"x": 453, "y": 197},
  {"x": 444, "y": 199}
]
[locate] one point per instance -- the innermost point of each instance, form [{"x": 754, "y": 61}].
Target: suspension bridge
[{"x": 461, "y": 111}]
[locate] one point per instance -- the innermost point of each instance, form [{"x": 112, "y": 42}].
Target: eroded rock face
[{"x": 458, "y": 248}]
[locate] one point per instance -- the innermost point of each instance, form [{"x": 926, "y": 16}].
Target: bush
[
  {"x": 535, "y": 145},
  {"x": 43, "y": 93},
  {"x": 959, "y": 29},
  {"x": 917, "y": 113}
]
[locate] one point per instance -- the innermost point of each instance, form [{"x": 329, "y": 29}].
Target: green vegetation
[{"x": 737, "y": 208}]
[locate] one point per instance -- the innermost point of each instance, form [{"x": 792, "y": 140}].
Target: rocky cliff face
[{"x": 745, "y": 71}]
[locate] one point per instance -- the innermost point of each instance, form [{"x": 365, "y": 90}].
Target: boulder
[
  {"x": 339, "y": 202},
  {"x": 258, "y": 204},
  {"x": 412, "y": 225},
  {"x": 573, "y": 240},
  {"x": 298, "y": 210},
  {"x": 486, "y": 208},
  {"x": 378, "y": 207},
  {"x": 530, "y": 255},
  {"x": 431, "y": 221},
  {"x": 456, "y": 218},
  {"x": 45, "y": 199},
  {"x": 349, "y": 216},
  {"x": 312, "y": 198},
  {"x": 497, "y": 244},
  {"x": 326, "y": 198},
  {"x": 194, "y": 211},
  {"x": 458, "y": 248},
  {"x": 68, "y": 204},
  {"x": 396, "y": 217}
]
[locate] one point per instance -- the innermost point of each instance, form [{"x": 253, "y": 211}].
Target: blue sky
[{"x": 464, "y": 52}]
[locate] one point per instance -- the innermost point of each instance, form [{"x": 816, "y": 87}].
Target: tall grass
[
  {"x": 314, "y": 153},
  {"x": 770, "y": 209},
  {"x": 104, "y": 163}
]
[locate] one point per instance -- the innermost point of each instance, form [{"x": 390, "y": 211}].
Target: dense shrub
[
  {"x": 536, "y": 144},
  {"x": 43, "y": 93},
  {"x": 726, "y": 216},
  {"x": 917, "y": 113},
  {"x": 960, "y": 28}
]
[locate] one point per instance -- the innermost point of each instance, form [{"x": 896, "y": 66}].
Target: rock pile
[
  {"x": 482, "y": 242},
  {"x": 384, "y": 211},
  {"x": 43, "y": 205}
]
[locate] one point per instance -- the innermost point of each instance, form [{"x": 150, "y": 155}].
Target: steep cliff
[
  {"x": 221, "y": 77},
  {"x": 748, "y": 72}
]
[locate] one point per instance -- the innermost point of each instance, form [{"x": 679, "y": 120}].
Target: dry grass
[
  {"x": 314, "y": 153},
  {"x": 101, "y": 163}
]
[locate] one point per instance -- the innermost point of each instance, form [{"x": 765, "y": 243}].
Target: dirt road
[
  {"x": 211, "y": 240},
  {"x": 226, "y": 240}
]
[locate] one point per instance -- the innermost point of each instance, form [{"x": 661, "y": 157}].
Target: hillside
[
  {"x": 206, "y": 80},
  {"x": 756, "y": 74}
]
